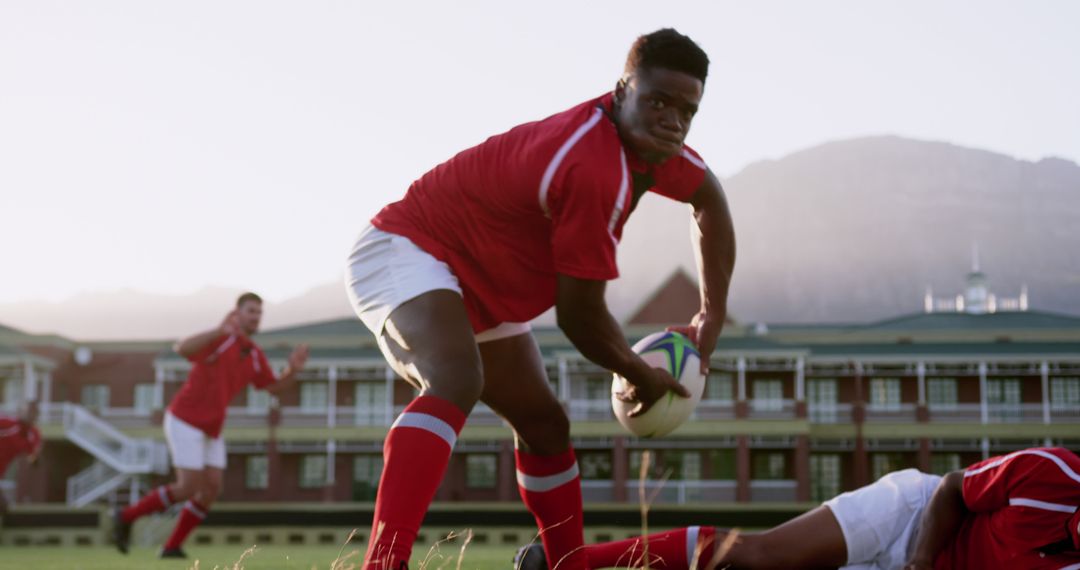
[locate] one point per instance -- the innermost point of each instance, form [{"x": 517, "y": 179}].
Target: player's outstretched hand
[
  {"x": 231, "y": 324},
  {"x": 649, "y": 388},
  {"x": 703, "y": 331},
  {"x": 299, "y": 357}
]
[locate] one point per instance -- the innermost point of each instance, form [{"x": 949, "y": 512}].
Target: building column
[
  {"x": 922, "y": 460},
  {"x": 274, "y": 490},
  {"x": 984, "y": 406},
  {"x": 742, "y": 407},
  {"x": 742, "y": 468},
  {"x": 157, "y": 415},
  {"x": 388, "y": 376},
  {"x": 922, "y": 410},
  {"x": 985, "y": 448},
  {"x": 29, "y": 381},
  {"x": 507, "y": 472},
  {"x": 802, "y": 468},
  {"x": 331, "y": 397},
  {"x": 1044, "y": 373},
  {"x": 45, "y": 402},
  {"x": 858, "y": 415},
  {"x": 331, "y": 470},
  {"x": 564, "y": 381},
  {"x": 800, "y": 390},
  {"x": 620, "y": 469}
]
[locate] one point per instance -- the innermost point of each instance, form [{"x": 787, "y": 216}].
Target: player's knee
[
  {"x": 547, "y": 433},
  {"x": 458, "y": 380}
]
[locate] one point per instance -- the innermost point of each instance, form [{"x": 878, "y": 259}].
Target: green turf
[{"x": 226, "y": 557}]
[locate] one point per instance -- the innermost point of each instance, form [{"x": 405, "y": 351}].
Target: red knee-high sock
[
  {"x": 155, "y": 501},
  {"x": 192, "y": 514},
  {"x": 672, "y": 550},
  {"x": 550, "y": 486},
  {"x": 415, "y": 454}
]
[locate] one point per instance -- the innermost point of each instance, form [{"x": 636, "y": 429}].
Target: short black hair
[
  {"x": 249, "y": 296},
  {"x": 668, "y": 49}
]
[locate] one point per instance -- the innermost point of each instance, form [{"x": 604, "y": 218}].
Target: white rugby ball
[{"x": 675, "y": 353}]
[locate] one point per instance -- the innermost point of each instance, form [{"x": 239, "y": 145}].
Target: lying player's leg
[
  {"x": 429, "y": 341},
  {"x": 516, "y": 387}
]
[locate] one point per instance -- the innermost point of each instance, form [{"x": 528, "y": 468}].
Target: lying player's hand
[
  {"x": 649, "y": 387},
  {"x": 299, "y": 357}
]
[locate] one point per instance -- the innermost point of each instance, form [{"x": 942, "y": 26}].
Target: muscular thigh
[{"x": 516, "y": 386}]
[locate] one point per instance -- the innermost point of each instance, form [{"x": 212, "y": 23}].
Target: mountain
[{"x": 852, "y": 230}]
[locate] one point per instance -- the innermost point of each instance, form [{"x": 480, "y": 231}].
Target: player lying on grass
[
  {"x": 224, "y": 361},
  {"x": 1014, "y": 511},
  {"x": 448, "y": 278},
  {"x": 19, "y": 435}
]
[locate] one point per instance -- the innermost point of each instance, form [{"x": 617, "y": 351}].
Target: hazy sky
[{"x": 168, "y": 146}]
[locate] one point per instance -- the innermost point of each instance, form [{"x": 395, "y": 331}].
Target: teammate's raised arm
[
  {"x": 188, "y": 347},
  {"x": 297, "y": 359},
  {"x": 714, "y": 244}
]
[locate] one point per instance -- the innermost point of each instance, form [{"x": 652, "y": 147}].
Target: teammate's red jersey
[
  {"x": 1023, "y": 509},
  {"x": 16, "y": 438},
  {"x": 219, "y": 372},
  {"x": 541, "y": 199}
]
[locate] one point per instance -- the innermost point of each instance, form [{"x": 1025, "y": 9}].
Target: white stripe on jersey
[
  {"x": 693, "y": 159},
  {"x": 620, "y": 202},
  {"x": 1037, "y": 504},
  {"x": 553, "y": 166},
  {"x": 1057, "y": 461}
]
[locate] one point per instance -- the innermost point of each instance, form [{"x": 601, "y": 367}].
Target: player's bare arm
[
  {"x": 714, "y": 246},
  {"x": 297, "y": 359},
  {"x": 940, "y": 521},
  {"x": 190, "y": 346},
  {"x": 583, "y": 316}
]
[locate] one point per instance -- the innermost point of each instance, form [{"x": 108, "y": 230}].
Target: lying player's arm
[
  {"x": 714, "y": 244},
  {"x": 296, "y": 363},
  {"x": 190, "y": 346},
  {"x": 583, "y": 316},
  {"x": 940, "y": 521}
]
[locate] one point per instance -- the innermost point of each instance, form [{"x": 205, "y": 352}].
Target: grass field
[{"x": 227, "y": 557}]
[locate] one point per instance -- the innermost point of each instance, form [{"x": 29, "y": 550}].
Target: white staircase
[{"x": 119, "y": 457}]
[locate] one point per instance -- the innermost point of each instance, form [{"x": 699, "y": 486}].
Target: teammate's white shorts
[
  {"x": 190, "y": 448},
  {"x": 386, "y": 270},
  {"x": 880, "y": 520}
]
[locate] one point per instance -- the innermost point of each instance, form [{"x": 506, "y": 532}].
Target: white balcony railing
[
  {"x": 829, "y": 413},
  {"x": 772, "y": 491},
  {"x": 772, "y": 409},
  {"x": 590, "y": 410},
  {"x": 683, "y": 492},
  {"x": 1014, "y": 413},
  {"x": 955, "y": 413},
  {"x": 714, "y": 410},
  {"x": 898, "y": 413}
]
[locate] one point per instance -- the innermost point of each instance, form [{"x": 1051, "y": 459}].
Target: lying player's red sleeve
[
  {"x": 264, "y": 374},
  {"x": 582, "y": 210},
  {"x": 680, "y": 177}
]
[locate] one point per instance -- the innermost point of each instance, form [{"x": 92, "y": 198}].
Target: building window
[
  {"x": 257, "y": 472},
  {"x": 95, "y": 396},
  {"x": 721, "y": 463},
  {"x": 258, "y": 401},
  {"x": 1003, "y": 399},
  {"x": 821, "y": 400},
  {"x": 884, "y": 463},
  {"x": 824, "y": 476},
  {"x": 719, "y": 387},
  {"x": 366, "y": 472},
  {"x": 1065, "y": 394},
  {"x": 312, "y": 471},
  {"x": 941, "y": 393},
  {"x": 885, "y": 394},
  {"x": 370, "y": 403},
  {"x": 480, "y": 470},
  {"x": 595, "y": 465},
  {"x": 145, "y": 399},
  {"x": 768, "y": 395},
  {"x": 942, "y": 463},
  {"x": 597, "y": 389},
  {"x": 313, "y": 397},
  {"x": 769, "y": 466}
]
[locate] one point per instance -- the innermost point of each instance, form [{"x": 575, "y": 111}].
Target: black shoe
[
  {"x": 121, "y": 532},
  {"x": 530, "y": 557},
  {"x": 172, "y": 553}
]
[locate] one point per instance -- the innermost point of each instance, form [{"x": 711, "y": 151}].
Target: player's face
[
  {"x": 250, "y": 313},
  {"x": 654, "y": 110}
]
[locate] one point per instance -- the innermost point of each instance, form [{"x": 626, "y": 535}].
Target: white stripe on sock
[
  {"x": 429, "y": 423},
  {"x": 195, "y": 510},
  {"x": 163, "y": 494},
  {"x": 548, "y": 482}
]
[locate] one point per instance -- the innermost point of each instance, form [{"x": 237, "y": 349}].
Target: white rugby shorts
[
  {"x": 880, "y": 520},
  {"x": 386, "y": 270},
  {"x": 190, "y": 448}
]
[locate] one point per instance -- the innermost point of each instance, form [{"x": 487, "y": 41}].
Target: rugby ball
[{"x": 675, "y": 353}]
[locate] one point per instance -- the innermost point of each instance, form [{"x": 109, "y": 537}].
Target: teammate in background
[
  {"x": 1014, "y": 511},
  {"x": 449, "y": 277},
  {"x": 18, "y": 436},
  {"x": 224, "y": 361}
]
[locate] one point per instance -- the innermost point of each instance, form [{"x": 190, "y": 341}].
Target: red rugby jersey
[
  {"x": 1023, "y": 509},
  {"x": 543, "y": 198},
  {"x": 16, "y": 438},
  {"x": 219, "y": 372}
]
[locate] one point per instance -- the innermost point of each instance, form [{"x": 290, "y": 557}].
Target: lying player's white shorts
[
  {"x": 385, "y": 270},
  {"x": 190, "y": 448},
  {"x": 880, "y": 520}
]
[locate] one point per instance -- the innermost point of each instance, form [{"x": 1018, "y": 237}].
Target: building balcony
[
  {"x": 772, "y": 491},
  {"x": 896, "y": 413},
  {"x": 772, "y": 409},
  {"x": 829, "y": 413}
]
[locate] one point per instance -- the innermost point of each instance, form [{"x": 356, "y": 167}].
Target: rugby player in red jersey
[
  {"x": 19, "y": 435},
  {"x": 1013, "y": 511},
  {"x": 449, "y": 277},
  {"x": 224, "y": 361}
]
